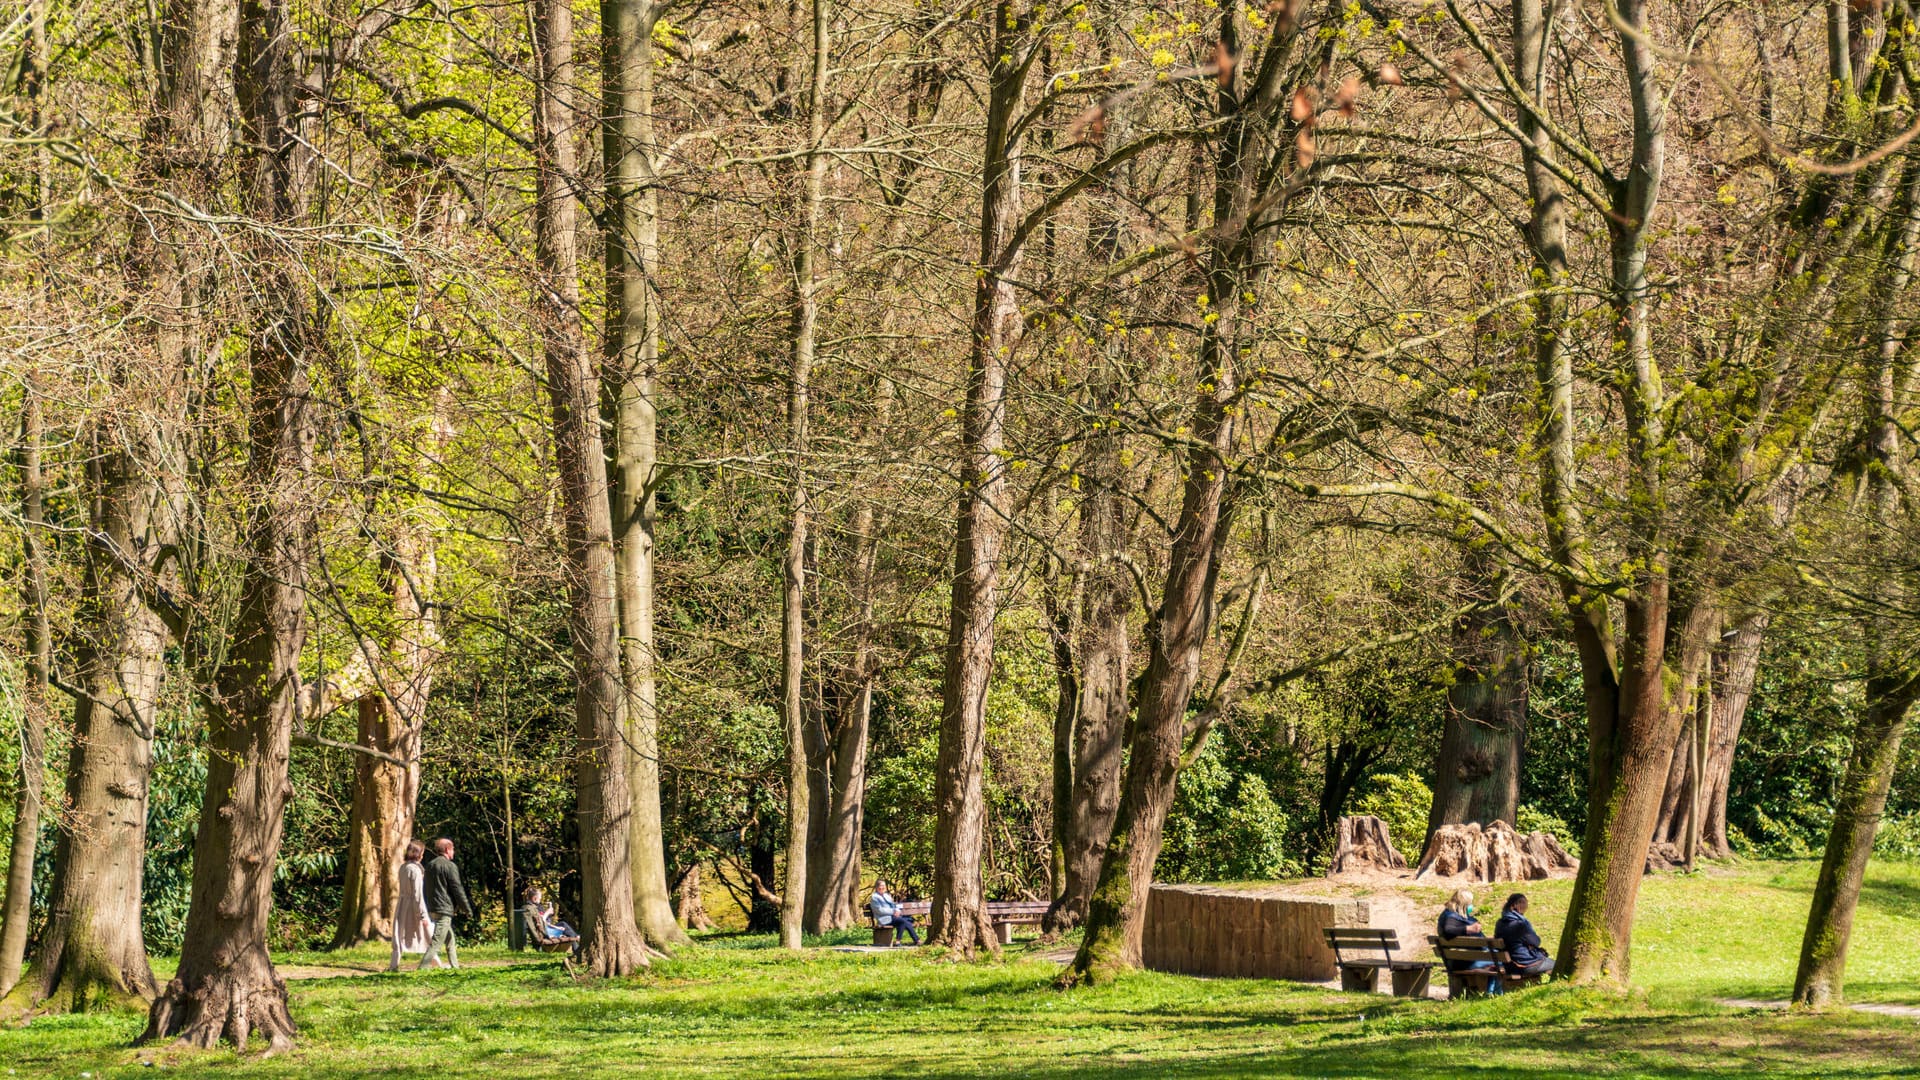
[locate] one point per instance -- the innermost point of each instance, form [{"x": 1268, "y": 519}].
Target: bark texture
[
  {"x": 1494, "y": 853},
  {"x": 18, "y": 911},
  {"x": 959, "y": 915},
  {"x": 610, "y": 940},
  {"x": 631, "y": 230},
  {"x": 386, "y": 789},
  {"x": 1484, "y": 737}
]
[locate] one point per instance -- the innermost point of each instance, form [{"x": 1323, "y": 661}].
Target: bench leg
[
  {"x": 1359, "y": 980},
  {"x": 883, "y": 935},
  {"x": 1004, "y": 931},
  {"x": 1412, "y": 983}
]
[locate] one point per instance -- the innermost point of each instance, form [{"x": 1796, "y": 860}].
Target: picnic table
[{"x": 1004, "y": 914}]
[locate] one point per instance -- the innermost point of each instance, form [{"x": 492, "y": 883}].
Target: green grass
[{"x": 735, "y": 1006}]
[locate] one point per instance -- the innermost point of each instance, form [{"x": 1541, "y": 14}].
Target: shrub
[
  {"x": 1899, "y": 838},
  {"x": 1224, "y": 826},
  {"x": 1403, "y": 801}
]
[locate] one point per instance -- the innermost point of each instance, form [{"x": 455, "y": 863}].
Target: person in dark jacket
[
  {"x": 446, "y": 896},
  {"x": 1457, "y": 920},
  {"x": 1524, "y": 954}
]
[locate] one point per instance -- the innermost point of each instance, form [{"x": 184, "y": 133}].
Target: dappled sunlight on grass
[{"x": 735, "y": 1006}]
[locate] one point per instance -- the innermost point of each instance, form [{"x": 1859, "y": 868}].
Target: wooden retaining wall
[{"x": 1205, "y": 930}]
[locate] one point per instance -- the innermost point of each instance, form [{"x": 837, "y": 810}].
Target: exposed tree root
[{"x": 233, "y": 1003}]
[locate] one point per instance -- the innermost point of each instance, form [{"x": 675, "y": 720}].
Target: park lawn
[{"x": 737, "y": 1007}]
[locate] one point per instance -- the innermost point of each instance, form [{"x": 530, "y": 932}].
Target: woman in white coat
[{"x": 412, "y": 929}]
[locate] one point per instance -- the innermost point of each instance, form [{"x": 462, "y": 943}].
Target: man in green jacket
[{"x": 445, "y": 896}]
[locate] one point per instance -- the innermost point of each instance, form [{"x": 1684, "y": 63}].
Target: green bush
[
  {"x": 1403, "y": 801},
  {"x": 1224, "y": 826},
  {"x": 1530, "y": 820},
  {"x": 1899, "y": 838}
]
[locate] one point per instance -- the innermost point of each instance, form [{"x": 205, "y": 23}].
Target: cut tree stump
[
  {"x": 1494, "y": 853},
  {"x": 1365, "y": 845}
]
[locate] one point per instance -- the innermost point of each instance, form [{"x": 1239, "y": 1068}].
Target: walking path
[{"x": 1912, "y": 1012}]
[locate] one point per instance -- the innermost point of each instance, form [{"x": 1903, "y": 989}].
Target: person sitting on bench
[
  {"x": 548, "y": 922},
  {"x": 1458, "y": 921},
  {"x": 887, "y": 913},
  {"x": 1524, "y": 954}
]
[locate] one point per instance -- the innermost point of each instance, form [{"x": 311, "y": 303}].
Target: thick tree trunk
[
  {"x": 1477, "y": 777},
  {"x": 33, "y": 721},
  {"x": 959, "y": 917},
  {"x": 1735, "y": 671},
  {"x": 386, "y": 792},
  {"x": 92, "y": 939},
  {"x": 631, "y": 225},
  {"x": 688, "y": 906},
  {"x": 610, "y": 940}
]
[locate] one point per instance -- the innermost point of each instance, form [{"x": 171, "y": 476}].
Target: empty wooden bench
[
  {"x": 1477, "y": 949},
  {"x": 1363, "y": 952},
  {"x": 1003, "y": 914}
]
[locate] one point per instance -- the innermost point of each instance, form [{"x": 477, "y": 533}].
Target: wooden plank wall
[{"x": 1205, "y": 930}]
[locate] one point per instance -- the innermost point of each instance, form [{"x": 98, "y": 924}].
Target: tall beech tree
[
  {"x": 610, "y": 937},
  {"x": 630, "y": 232}
]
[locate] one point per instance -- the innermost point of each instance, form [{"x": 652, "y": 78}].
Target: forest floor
[{"x": 736, "y": 1006}]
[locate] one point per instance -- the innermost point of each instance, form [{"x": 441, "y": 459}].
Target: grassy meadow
[{"x": 736, "y": 1006}]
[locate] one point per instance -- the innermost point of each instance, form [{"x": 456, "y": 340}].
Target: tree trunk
[
  {"x": 1698, "y": 637},
  {"x": 959, "y": 916},
  {"x": 1477, "y": 777},
  {"x": 385, "y": 793},
  {"x": 1821, "y": 978},
  {"x": 631, "y": 225},
  {"x": 806, "y": 315},
  {"x": 610, "y": 940},
  {"x": 92, "y": 939},
  {"x": 1893, "y": 677},
  {"x": 689, "y": 907},
  {"x": 17, "y": 913},
  {"x": 1735, "y": 670}
]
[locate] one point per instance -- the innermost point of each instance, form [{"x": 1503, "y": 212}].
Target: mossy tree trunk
[
  {"x": 1484, "y": 733},
  {"x": 18, "y": 912}
]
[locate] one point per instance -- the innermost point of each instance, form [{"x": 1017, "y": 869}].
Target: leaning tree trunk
[
  {"x": 1477, "y": 776},
  {"x": 1734, "y": 673},
  {"x": 1893, "y": 676},
  {"x": 959, "y": 917},
  {"x": 33, "y": 720},
  {"x": 610, "y": 939},
  {"x": 1698, "y": 637},
  {"x": 386, "y": 788},
  {"x": 631, "y": 224}
]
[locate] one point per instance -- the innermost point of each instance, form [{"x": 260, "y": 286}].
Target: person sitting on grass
[
  {"x": 886, "y": 912},
  {"x": 1524, "y": 954},
  {"x": 1457, "y": 921},
  {"x": 549, "y": 923}
]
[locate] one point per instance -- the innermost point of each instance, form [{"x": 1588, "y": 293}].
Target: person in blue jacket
[
  {"x": 1524, "y": 954},
  {"x": 1457, "y": 921}
]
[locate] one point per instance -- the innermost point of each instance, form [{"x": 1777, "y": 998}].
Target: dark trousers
[
  {"x": 903, "y": 927},
  {"x": 1539, "y": 967}
]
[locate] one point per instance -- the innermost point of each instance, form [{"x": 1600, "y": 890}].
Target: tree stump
[
  {"x": 1365, "y": 845},
  {"x": 1663, "y": 857},
  {"x": 1493, "y": 853}
]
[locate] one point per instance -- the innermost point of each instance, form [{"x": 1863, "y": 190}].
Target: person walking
[
  {"x": 446, "y": 896},
  {"x": 412, "y": 929}
]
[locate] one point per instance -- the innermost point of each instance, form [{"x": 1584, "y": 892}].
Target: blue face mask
[{"x": 1471, "y": 909}]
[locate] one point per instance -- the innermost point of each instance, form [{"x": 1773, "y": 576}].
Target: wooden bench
[
  {"x": 532, "y": 934},
  {"x": 1004, "y": 914},
  {"x": 1363, "y": 952},
  {"x": 1477, "y": 949}
]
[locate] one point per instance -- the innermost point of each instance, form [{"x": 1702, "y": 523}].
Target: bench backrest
[
  {"x": 1364, "y": 942},
  {"x": 1472, "y": 949}
]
